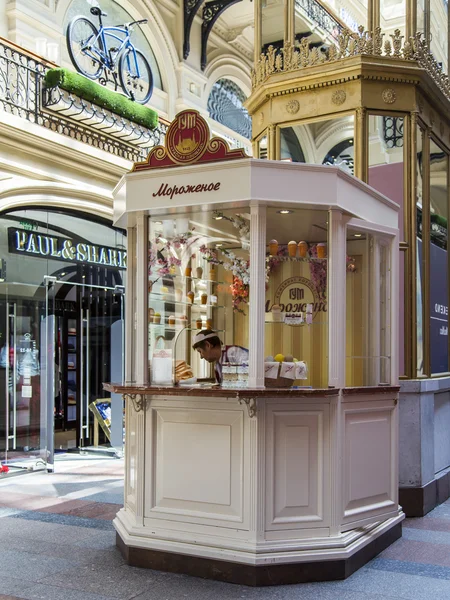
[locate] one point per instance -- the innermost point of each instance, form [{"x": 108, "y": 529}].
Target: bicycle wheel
[
  {"x": 82, "y": 39},
  {"x": 135, "y": 75}
]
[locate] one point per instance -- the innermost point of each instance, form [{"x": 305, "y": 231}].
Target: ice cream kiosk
[{"x": 262, "y": 365}]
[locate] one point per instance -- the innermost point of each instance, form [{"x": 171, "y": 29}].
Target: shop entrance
[
  {"x": 59, "y": 342},
  {"x": 86, "y": 329}
]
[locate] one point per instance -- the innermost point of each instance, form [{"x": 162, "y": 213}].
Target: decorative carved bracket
[
  {"x": 191, "y": 8},
  {"x": 139, "y": 401},
  {"x": 251, "y": 405},
  {"x": 211, "y": 12}
]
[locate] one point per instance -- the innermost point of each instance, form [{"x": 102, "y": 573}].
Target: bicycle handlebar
[{"x": 137, "y": 22}]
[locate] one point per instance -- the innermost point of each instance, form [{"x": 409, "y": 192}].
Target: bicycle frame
[{"x": 112, "y": 33}]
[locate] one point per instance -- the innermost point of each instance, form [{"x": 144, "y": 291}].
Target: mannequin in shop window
[{"x": 209, "y": 346}]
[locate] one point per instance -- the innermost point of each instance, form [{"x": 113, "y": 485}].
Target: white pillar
[
  {"x": 337, "y": 253},
  {"x": 257, "y": 294},
  {"x": 130, "y": 307},
  {"x": 141, "y": 287}
]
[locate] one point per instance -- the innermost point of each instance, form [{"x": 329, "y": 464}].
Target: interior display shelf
[
  {"x": 296, "y": 258},
  {"x": 164, "y": 298},
  {"x": 294, "y": 324},
  {"x": 186, "y": 277},
  {"x": 177, "y": 328}
]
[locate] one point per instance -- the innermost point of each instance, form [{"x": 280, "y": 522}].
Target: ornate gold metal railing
[{"x": 349, "y": 44}]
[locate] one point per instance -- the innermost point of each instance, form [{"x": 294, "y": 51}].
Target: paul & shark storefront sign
[{"x": 39, "y": 245}]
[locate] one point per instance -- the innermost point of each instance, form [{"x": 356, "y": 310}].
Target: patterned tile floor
[{"x": 57, "y": 543}]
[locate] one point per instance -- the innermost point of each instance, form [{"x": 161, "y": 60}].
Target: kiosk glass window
[
  {"x": 198, "y": 281},
  {"x": 327, "y": 142},
  {"x": 368, "y": 309},
  {"x": 296, "y": 297},
  {"x": 438, "y": 259}
]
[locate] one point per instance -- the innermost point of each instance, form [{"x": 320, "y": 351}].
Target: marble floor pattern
[{"x": 57, "y": 543}]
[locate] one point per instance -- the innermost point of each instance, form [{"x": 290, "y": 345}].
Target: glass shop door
[
  {"x": 89, "y": 350},
  {"x": 24, "y": 435}
]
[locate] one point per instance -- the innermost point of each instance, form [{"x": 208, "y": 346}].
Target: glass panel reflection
[
  {"x": 328, "y": 142},
  {"x": 438, "y": 259},
  {"x": 419, "y": 261},
  {"x": 368, "y": 327}
]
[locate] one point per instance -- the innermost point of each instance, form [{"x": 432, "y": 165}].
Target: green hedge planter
[{"x": 98, "y": 94}]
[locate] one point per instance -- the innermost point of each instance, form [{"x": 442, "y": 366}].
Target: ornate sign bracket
[
  {"x": 139, "y": 401},
  {"x": 191, "y": 8},
  {"x": 211, "y": 12},
  {"x": 251, "y": 405}
]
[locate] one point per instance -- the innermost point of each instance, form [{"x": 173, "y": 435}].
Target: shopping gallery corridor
[{"x": 58, "y": 543}]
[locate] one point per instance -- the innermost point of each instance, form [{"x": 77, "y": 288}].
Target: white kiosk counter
[{"x": 262, "y": 365}]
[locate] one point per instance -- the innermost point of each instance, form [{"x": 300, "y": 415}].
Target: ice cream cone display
[
  {"x": 302, "y": 249},
  {"x": 273, "y": 247},
  {"x": 199, "y": 272},
  {"x": 190, "y": 297},
  {"x": 209, "y": 324},
  {"x": 321, "y": 250},
  {"x": 292, "y": 249},
  {"x": 178, "y": 295},
  {"x": 183, "y": 320},
  {"x": 151, "y": 312},
  {"x": 212, "y": 273},
  {"x": 199, "y": 324},
  {"x": 188, "y": 271},
  {"x": 164, "y": 292},
  {"x": 171, "y": 320},
  {"x": 204, "y": 298},
  {"x": 276, "y": 313},
  {"x": 157, "y": 318}
]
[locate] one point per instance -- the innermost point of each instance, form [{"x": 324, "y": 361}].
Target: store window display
[{"x": 198, "y": 281}]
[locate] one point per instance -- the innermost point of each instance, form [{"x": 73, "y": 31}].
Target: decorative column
[
  {"x": 409, "y": 249},
  {"x": 258, "y": 26},
  {"x": 361, "y": 144},
  {"x": 289, "y": 27},
  {"x": 272, "y": 142},
  {"x": 257, "y": 294},
  {"x": 141, "y": 287},
  {"x": 336, "y": 298},
  {"x": 411, "y": 18}
]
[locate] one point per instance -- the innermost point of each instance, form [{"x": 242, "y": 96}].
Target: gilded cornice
[{"x": 359, "y": 57}]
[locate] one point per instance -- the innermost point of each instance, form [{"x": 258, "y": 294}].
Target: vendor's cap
[{"x": 204, "y": 335}]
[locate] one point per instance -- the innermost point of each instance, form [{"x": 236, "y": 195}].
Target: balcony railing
[
  {"x": 22, "y": 93},
  {"x": 318, "y": 13}
]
